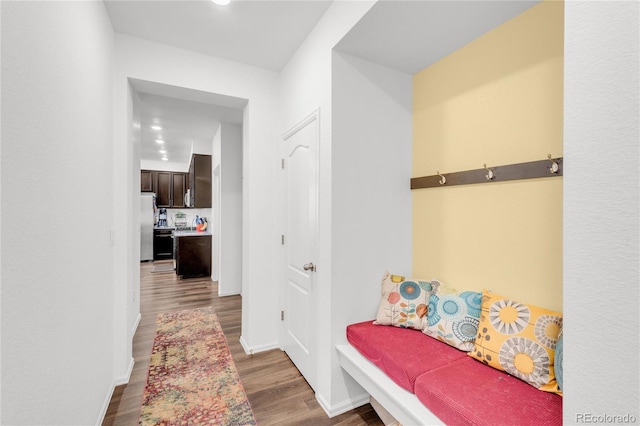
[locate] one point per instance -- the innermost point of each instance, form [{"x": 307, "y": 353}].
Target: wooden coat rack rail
[{"x": 550, "y": 167}]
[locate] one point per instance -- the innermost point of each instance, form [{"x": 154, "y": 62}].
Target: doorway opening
[{"x": 170, "y": 127}]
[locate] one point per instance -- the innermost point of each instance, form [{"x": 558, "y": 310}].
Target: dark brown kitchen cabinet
[
  {"x": 200, "y": 181},
  {"x": 178, "y": 189},
  {"x": 170, "y": 188},
  {"x": 162, "y": 186},
  {"x": 193, "y": 256},
  {"x": 146, "y": 181}
]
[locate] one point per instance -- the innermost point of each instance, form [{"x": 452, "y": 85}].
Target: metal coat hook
[
  {"x": 555, "y": 167},
  {"x": 490, "y": 175},
  {"x": 442, "y": 180}
]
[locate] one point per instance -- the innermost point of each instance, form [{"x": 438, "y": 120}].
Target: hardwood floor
[{"x": 278, "y": 394}]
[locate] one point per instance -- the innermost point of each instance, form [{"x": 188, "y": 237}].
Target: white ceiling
[
  {"x": 407, "y": 35},
  {"x": 187, "y": 118},
  {"x": 263, "y": 33},
  {"x": 413, "y": 34}
]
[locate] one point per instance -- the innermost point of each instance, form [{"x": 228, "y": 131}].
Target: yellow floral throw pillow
[
  {"x": 405, "y": 301},
  {"x": 519, "y": 339}
]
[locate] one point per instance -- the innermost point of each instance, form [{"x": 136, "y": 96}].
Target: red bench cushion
[
  {"x": 403, "y": 354},
  {"x": 467, "y": 392}
]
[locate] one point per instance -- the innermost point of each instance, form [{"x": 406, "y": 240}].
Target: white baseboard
[
  {"x": 123, "y": 380},
  {"x": 255, "y": 349},
  {"x": 105, "y": 405},
  {"x": 344, "y": 406},
  {"x": 135, "y": 325}
]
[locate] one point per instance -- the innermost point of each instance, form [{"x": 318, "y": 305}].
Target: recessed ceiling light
[
  {"x": 221, "y": 2},
  {"x": 159, "y": 141},
  {"x": 165, "y": 159},
  {"x": 156, "y": 127},
  {"x": 162, "y": 151}
]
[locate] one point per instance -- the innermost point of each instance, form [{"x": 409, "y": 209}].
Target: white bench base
[{"x": 400, "y": 403}]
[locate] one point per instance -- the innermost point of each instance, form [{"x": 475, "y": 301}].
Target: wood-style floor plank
[{"x": 277, "y": 392}]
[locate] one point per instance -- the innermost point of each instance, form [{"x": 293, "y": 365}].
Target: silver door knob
[{"x": 309, "y": 267}]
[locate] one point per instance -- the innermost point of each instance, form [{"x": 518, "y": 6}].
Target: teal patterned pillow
[
  {"x": 558, "y": 359},
  {"x": 454, "y": 317}
]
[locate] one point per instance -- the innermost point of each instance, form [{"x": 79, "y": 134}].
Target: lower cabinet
[{"x": 193, "y": 256}]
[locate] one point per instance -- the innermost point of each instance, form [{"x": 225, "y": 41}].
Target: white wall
[
  {"x": 57, "y": 211},
  {"x": 126, "y": 177},
  {"x": 133, "y": 288},
  {"x": 169, "y": 166},
  {"x": 201, "y": 147},
  {"x": 229, "y": 226},
  {"x": 216, "y": 200},
  {"x": 317, "y": 79},
  {"x": 601, "y": 210},
  {"x": 371, "y": 197},
  {"x": 144, "y": 60}
]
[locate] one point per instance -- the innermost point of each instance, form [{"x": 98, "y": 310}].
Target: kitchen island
[{"x": 192, "y": 253}]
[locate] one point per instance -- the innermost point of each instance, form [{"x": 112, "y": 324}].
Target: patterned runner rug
[{"x": 192, "y": 378}]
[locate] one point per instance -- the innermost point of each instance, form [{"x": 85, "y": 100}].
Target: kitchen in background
[
  {"x": 180, "y": 235},
  {"x": 182, "y": 132}
]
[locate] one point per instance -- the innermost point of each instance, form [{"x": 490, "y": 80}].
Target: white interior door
[{"x": 300, "y": 165}]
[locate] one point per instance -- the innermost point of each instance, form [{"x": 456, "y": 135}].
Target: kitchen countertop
[{"x": 191, "y": 233}]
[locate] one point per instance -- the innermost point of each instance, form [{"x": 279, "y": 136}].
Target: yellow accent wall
[{"x": 498, "y": 100}]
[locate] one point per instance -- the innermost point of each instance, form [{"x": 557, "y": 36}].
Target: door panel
[
  {"x": 297, "y": 303},
  {"x": 178, "y": 189},
  {"x": 301, "y": 181},
  {"x": 163, "y": 189}
]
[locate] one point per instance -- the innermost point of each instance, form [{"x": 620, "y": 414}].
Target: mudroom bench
[{"x": 420, "y": 380}]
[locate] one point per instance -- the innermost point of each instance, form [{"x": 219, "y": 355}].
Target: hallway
[{"x": 278, "y": 394}]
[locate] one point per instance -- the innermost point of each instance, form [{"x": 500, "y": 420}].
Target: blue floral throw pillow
[
  {"x": 559, "y": 357},
  {"x": 405, "y": 301},
  {"x": 454, "y": 317}
]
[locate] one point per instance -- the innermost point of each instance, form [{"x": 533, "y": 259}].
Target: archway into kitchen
[{"x": 176, "y": 130}]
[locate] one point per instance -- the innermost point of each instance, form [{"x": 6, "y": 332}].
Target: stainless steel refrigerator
[{"x": 147, "y": 212}]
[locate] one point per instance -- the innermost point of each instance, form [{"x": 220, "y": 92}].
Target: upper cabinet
[
  {"x": 146, "y": 181},
  {"x": 200, "y": 181},
  {"x": 163, "y": 186},
  {"x": 178, "y": 189},
  {"x": 170, "y": 187}
]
